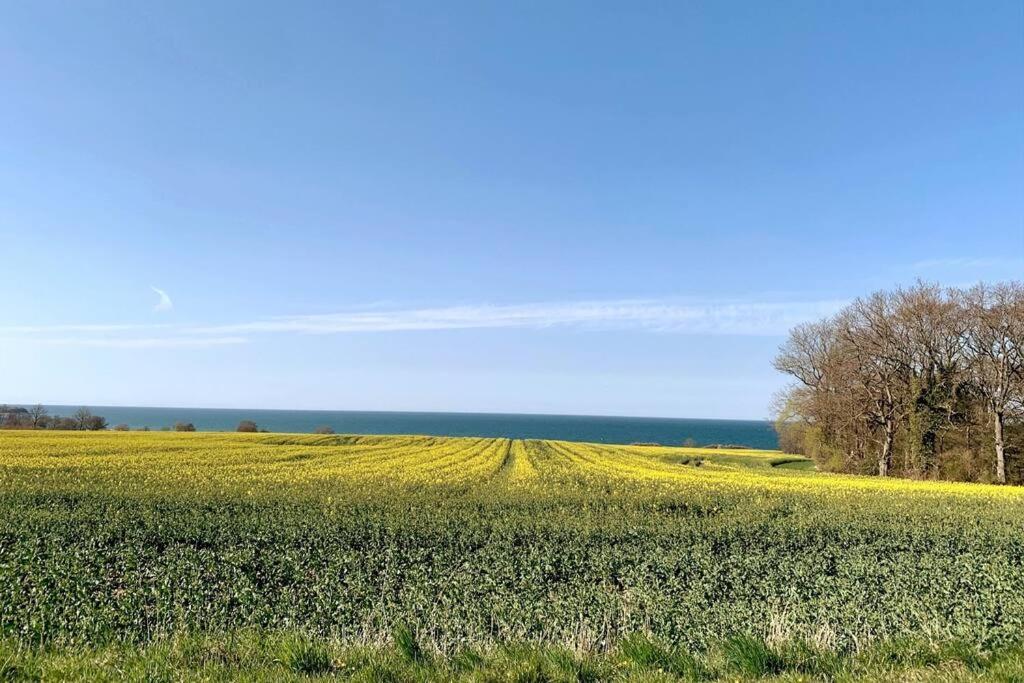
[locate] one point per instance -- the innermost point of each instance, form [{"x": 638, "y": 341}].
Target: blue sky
[{"x": 595, "y": 208}]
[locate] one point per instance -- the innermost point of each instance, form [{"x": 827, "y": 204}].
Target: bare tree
[
  {"x": 38, "y": 415},
  {"x": 873, "y": 343},
  {"x": 83, "y": 418},
  {"x": 807, "y": 353},
  {"x": 816, "y": 356},
  {"x": 997, "y": 341}
]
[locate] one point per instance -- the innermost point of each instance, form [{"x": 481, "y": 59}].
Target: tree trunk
[
  {"x": 885, "y": 461},
  {"x": 1000, "y": 454}
]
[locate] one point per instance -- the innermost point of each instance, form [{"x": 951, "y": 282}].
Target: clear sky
[{"x": 593, "y": 208}]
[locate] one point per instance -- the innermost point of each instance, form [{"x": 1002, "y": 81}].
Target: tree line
[
  {"x": 38, "y": 417},
  {"x": 924, "y": 382}
]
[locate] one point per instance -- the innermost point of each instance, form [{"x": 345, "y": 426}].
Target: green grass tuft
[
  {"x": 304, "y": 656},
  {"x": 647, "y": 655},
  {"x": 751, "y": 656},
  {"x": 407, "y": 645}
]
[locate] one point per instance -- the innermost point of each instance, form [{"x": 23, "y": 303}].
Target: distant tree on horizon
[
  {"x": 247, "y": 426},
  {"x": 184, "y": 427},
  {"x": 39, "y": 416},
  {"x": 324, "y": 429},
  {"x": 82, "y": 416},
  {"x": 84, "y": 420}
]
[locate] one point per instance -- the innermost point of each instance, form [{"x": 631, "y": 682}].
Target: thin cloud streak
[
  {"x": 759, "y": 319},
  {"x": 709, "y": 318},
  {"x": 132, "y": 342},
  {"x": 165, "y": 303},
  {"x": 85, "y": 328}
]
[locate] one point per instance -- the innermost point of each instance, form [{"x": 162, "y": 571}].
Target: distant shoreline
[
  {"x": 588, "y": 428},
  {"x": 97, "y": 406}
]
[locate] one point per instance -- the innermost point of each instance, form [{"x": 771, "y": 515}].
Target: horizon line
[{"x": 408, "y": 412}]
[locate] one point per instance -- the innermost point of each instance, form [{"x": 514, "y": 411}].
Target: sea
[{"x": 594, "y": 429}]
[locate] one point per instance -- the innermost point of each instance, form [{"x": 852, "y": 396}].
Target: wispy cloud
[
  {"x": 695, "y": 318},
  {"x": 85, "y": 329},
  {"x": 131, "y": 342},
  {"x": 165, "y": 303},
  {"x": 749, "y": 318}
]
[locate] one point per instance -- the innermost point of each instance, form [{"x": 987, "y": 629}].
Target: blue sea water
[{"x": 618, "y": 430}]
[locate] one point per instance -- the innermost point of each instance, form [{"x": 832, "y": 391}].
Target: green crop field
[{"x": 268, "y": 556}]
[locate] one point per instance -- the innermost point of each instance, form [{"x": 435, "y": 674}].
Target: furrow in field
[{"x": 476, "y": 467}]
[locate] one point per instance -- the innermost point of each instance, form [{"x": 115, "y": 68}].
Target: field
[{"x": 267, "y": 556}]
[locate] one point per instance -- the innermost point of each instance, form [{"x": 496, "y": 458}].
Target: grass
[
  {"x": 268, "y": 556},
  {"x": 287, "y": 656}
]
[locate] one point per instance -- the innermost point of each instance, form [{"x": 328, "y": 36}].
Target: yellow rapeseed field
[
  {"x": 135, "y": 537},
  {"x": 238, "y": 463}
]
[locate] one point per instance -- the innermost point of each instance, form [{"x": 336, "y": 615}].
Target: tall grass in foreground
[{"x": 290, "y": 656}]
